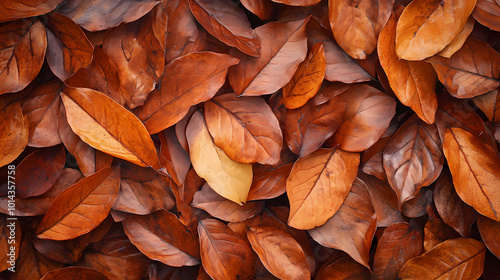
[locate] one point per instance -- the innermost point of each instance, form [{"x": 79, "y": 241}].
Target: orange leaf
[
  {"x": 261, "y": 8},
  {"x": 298, "y": 2},
  {"x": 279, "y": 252},
  {"x": 14, "y": 131},
  {"x": 486, "y": 13},
  {"x": 459, "y": 40},
  {"x": 19, "y": 9},
  {"x": 269, "y": 182},
  {"x": 318, "y": 185},
  {"x": 341, "y": 269},
  {"x": 413, "y": 82},
  {"x": 245, "y": 128},
  {"x": 284, "y": 47},
  {"x": 453, "y": 258},
  {"x": 426, "y": 27},
  {"x": 82, "y": 207},
  {"x": 475, "y": 167},
  {"x": 182, "y": 32},
  {"x": 105, "y": 125}
]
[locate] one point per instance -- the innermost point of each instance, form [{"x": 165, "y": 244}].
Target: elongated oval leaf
[
  {"x": 105, "y": 125},
  {"x": 279, "y": 252},
  {"x": 228, "y": 23},
  {"x": 284, "y": 47},
  {"x": 413, "y": 82},
  {"x": 413, "y": 158},
  {"x": 13, "y": 131},
  {"x": 22, "y": 53},
  {"x": 475, "y": 167},
  {"x": 342, "y": 268},
  {"x": 224, "y": 254},
  {"x": 489, "y": 229},
  {"x": 352, "y": 228},
  {"x": 19, "y": 9},
  {"x": 225, "y": 176},
  {"x": 318, "y": 185},
  {"x": 426, "y": 27},
  {"x": 187, "y": 81},
  {"x": 162, "y": 237},
  {"x": 245, "y": 128},
  {"x": 82, "y": 207},
  {"x": 462, "y": 258},
  {"x": 459, "y": 40}
]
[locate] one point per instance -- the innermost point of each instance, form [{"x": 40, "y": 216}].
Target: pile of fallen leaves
[{"x": 252, "y": 139}]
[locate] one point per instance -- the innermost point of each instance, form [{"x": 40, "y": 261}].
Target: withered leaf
[
  {"x": 459, "y": 40},
  {"x": 73, "y": 273},
  {"x": 489, "y": 229},
  {"x": 19, "y": 9},
  {"x": 486, "y": 12},
  {"x": 174, "y": 160},
  {"x": 261, "y": 8},
  {"x": 14, "y": 130},
  {"x": 182, "y": 32},
  {"x": 269, "y": 182},
  {"x": 343, "y": 268}
]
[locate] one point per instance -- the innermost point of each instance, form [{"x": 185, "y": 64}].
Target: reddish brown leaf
[
  {"x": 187, "y": 81},
  {"x": 416, "y": 207},
  {"x": 279, "y": 252},
  {"x": 318, "y": 185},
  {"x": 489, "y": 103},
  {"x": 367, "y": 116},
  {"x": 489, "y": 230},
  {"x": 174, "y": 160},
  {"x": 108, "y": 127},
  {"x": 307, "y": 80},
  {"x": 142, "y": 191},
  {"x": 269, "y": 182},
  {"x": 436, "y": 231},
  {"x": 398, "y": 243},
  {"x": 463, "y": 258},
  {"x": 426, "y": 27},
  {"x": 74, "y": 273},
  {"x": 343, "y": 268},
  {"x": 224, "y": 209},
  {"x": 22, "y": 53},
  {"x": 372, "y": 160},
  {"x": 357, "y": 24},
  {"x": 95, "y": 15},
  {"x": 339, "y": 66},
  {"x": 261, "y": 8},
  {"x": 471, "y": 71},
  {"x": 475, "y": 167},
  {"x": 162, "y": 237},
  {"x": 68, "y": 49},
  {"x": 298, "y": 2},
  {"x": 413, "y": 158},
  {"x": 38, "y": 172},
  {"x": 182, "y": 32},
  {"x": 245, "y": 128},
  {"x": 41, "y": 108},
  {"x": 224, "y": 254},
  {"x": 352, "y": 228},
  {"x": 20, "y": 9},
  {"x": 450, "y": 207},
  {"x": 14, "y": 131},
  {"x": 81, "y": 207},
  {"x": 486, "y": 13},
  {"x": 284, "y": 47},
  {"x": 413, "y": 82},
  {"x": 228, "y": 23}
]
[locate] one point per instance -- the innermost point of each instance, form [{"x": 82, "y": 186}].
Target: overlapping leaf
[
  {"x": 19, "y": 9},
  {"x": 13, "y": 131}
]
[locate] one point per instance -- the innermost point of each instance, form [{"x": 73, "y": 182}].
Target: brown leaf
[
  {"x": 224, "y": 254},
  {"x": 228, "y": 23},
  {"x": 108, "y": 127},
  {"x": 427, "y": 27},
  {"x": 261, "y": 8},
  {"x": 38, "y": 172},
  {"x": 187, "y": 81},
  {"x": 279, "y": 252},
  {"x": 352, "y": 228},
  {"x": 357, "y": 24},
  {"x": 182, "y": 32},
  {"x": 174, "y": 160},
  {"x": 19, "y": 9},
  {"x": 459, "y": 40},
  {"x": 413, "y": 158},
  {"x": 398, "y": 243},
  {"x": 95, "y": 15},
  {"x": 372, "y": 160},
  {"x": 228, "y": 178},
  {"x": 489, "y": 230},
  {"x": 340, "y": 67},
  {"x": 139, "y": 56},
  {"x": 284, "y": 47},
  {"x": 486, "y": 13},
  {"x": 343, "y": 268},
  {"x": 450, "y": 207},
  {"x": 436, "y": 231},
  {"x": 318, "y": 185},
  {"x": 14, "y": 131},
  {"x": 450, "y": 259},
  {"x": 489, "y": 103},
  {"x": 224, "y": 209},
  {"x": 367, "y": 116},
  {"x": 413, "y": 82},
  {"x": 298, "y": 2},
  {"x": 74, "y": 273},
  {"x": 68, "y": 49},
  {"x": 22, "y": 53},
  {"x": 142, "y": 191},
  {"x": 81, "y": 207},
  {"x": 269, "y": 182},
  {"x": 162, "y": 237},
  {"x": 245, "y": 128},
  {"x": 416, "y": 207},
  {"x": 471, "y": 71},
  {"x": 307, "y": 80},
  {"x": 41, "y": 108},
  {"x": 475, "y": 167}
]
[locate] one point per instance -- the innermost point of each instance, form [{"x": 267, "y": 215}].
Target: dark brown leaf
[{"x": 74, "y": 273}]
